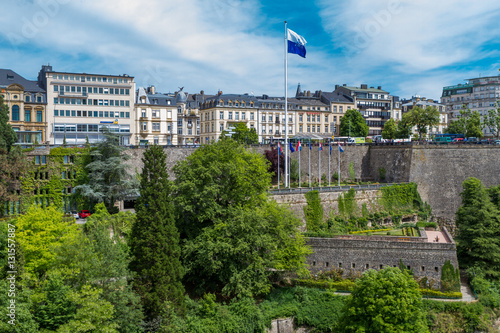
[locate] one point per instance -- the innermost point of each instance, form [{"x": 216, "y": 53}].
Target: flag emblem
[{"x": 296, "y": 43}]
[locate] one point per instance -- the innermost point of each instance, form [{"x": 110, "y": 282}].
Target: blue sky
[{"x": 409, "y": 47}]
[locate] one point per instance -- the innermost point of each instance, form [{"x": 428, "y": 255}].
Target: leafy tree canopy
[
  {"x": 358, "y": 126},
  {"x": 232, "y": 234},
  {"x": 390, "y": 130},
  {"x": 423, "y": 118},
  {"x": 215, "y": 177},
  {"x": 383, "y": 301},
  {"x": 245, "y": 135},
  {"x": 492, "y": 121}
]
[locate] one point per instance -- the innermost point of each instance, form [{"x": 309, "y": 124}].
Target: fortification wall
[
  {"x": 357, "y": 254},
  {"x": 439, "y": 170}
]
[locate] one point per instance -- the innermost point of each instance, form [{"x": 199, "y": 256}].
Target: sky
[{"x": 409, "y": 47}]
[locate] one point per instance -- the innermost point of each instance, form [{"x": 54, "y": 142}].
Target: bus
[{"x": 348, "y": 140}]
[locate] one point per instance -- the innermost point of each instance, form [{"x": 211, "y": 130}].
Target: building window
[
  {"x": 27, "y": 115},
  {"x": 236, "y": 116},
  {"x": 15, "y": 113},
  {"x": 230, "y": 115},
  {"x": 156, "y": 127},
  {"x": 221, "y": 115},
  {"x": 144, "y": 126},
  {"x": 243, "y": 116},
  {"x": 251, "y": 116},
  {"x": 156, "y": 140},
  {"x": 39, "y": 116}
]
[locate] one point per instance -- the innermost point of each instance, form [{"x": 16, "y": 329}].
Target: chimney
[
  {"x": 379, "y": 87},
  {"x": 344, "y": 85},
  {"x": 309, "y": 93},
  {"x": 202, "y": 92},
  {"x": 152, "y": 90},
  {"x": 336, "y": 86},
  {"x": 319, "y": 93},
  {"x": 364, "y": 86}
]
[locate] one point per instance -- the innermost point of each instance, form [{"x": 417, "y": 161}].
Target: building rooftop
[{"x": 8, "y": 77}]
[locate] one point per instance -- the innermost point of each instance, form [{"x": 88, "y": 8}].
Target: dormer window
[{"x": 27, "y": 98}]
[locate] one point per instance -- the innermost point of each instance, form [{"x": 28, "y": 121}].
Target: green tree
[
  {"x": 467, "y": 123},
  {"x": 478, "y": 222},
  {"x": 313, "y": 211},
  {"x": 215, "y": 177},
  {"x": 154, "y": 241},
  {"x": 390, "y": 130},
  {"x": 93, "y": 314},
  {"x": 423, "y": 118},
  {"x": 232, "y": 235},
  {"x": 243, "y": 134},
  {"x": 492, "y": 121},
  {"x": 108, "y": 179},
  {"x": 354, "y": 120},
  {"x": 7, "y": 135},
  {"x": 474, "y": 127},
  {"x": 404, "y": 127},
  {"x": 455, "y": 127},
  {"x": 240, "y": 255},
  {"x": 41, "y": 232},
  {"x": 383, "y": 301}
]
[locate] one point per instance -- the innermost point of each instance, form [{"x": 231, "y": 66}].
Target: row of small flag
[{"x": 299, "y": 147}]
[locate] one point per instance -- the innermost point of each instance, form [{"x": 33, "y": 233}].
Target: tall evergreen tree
[
  {"x": 478, "y": 222},
  {"x": 155, "y": 239},
  {"x": 108, "y": 179}
]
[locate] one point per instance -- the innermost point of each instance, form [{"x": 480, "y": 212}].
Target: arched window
[{"x": 15, "y": 113}]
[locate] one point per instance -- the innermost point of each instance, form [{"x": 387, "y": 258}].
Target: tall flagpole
[
  {"x": 309, "y": 162},
  {"x": 338, "y": 176},
  {"x": 279, "y": 157},
  {"x": 300, "y": 148},
  {"x": 319, "y": 170},
  {"x": 329, "y": 159},
  {"x": 286, "y": 105}
]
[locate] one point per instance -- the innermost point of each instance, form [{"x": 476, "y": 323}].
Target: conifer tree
[
  {"x": 478, "y": 222},
  {"x": 155, "y": 239}
]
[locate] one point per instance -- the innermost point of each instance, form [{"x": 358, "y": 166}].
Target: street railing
[{"x": 341, "y": 188}]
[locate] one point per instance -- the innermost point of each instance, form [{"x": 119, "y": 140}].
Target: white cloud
[{"x": 413, "y": 35}]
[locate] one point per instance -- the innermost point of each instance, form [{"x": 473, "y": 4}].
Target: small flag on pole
[
  {"x": 291, "y": 147},
  {"x": 299, "y": 146},
  {"x": 296, "y": 43},
  {"x": 340, "y": 148},
  {"x": 330, "y": 144},
  {"x": 279, "y": 149},
  {"x": 320, "y": 147}
]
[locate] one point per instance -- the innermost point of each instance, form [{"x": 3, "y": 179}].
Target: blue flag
[
  {"x": 310, "y": 146},
  {"x": 296, "y": 43},
  {"x": 291, "y": 147},
  {"x": 330, "y": 144},
  {"x": 340, "y": 148}
]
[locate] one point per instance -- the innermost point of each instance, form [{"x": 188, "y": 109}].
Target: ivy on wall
[{"x": 51, "y": 182}]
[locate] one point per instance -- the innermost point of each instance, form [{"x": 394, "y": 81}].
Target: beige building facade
[
  {"x": 79, "y": 105},
  {"x": 27, "y": 107}
]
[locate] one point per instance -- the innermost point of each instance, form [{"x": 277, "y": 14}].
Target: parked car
[
  {"x": 75, "y": 214},
  {"x": 496, "y": 142},
  {"x": 84, "y": 214}
]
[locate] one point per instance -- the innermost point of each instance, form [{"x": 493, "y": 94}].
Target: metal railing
[{"x": 341, "y": 188}]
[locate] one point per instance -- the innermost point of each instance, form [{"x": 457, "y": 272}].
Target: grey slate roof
[
  {"x": 337, "y": 97},
  {"x": 8, "y": 77}
]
